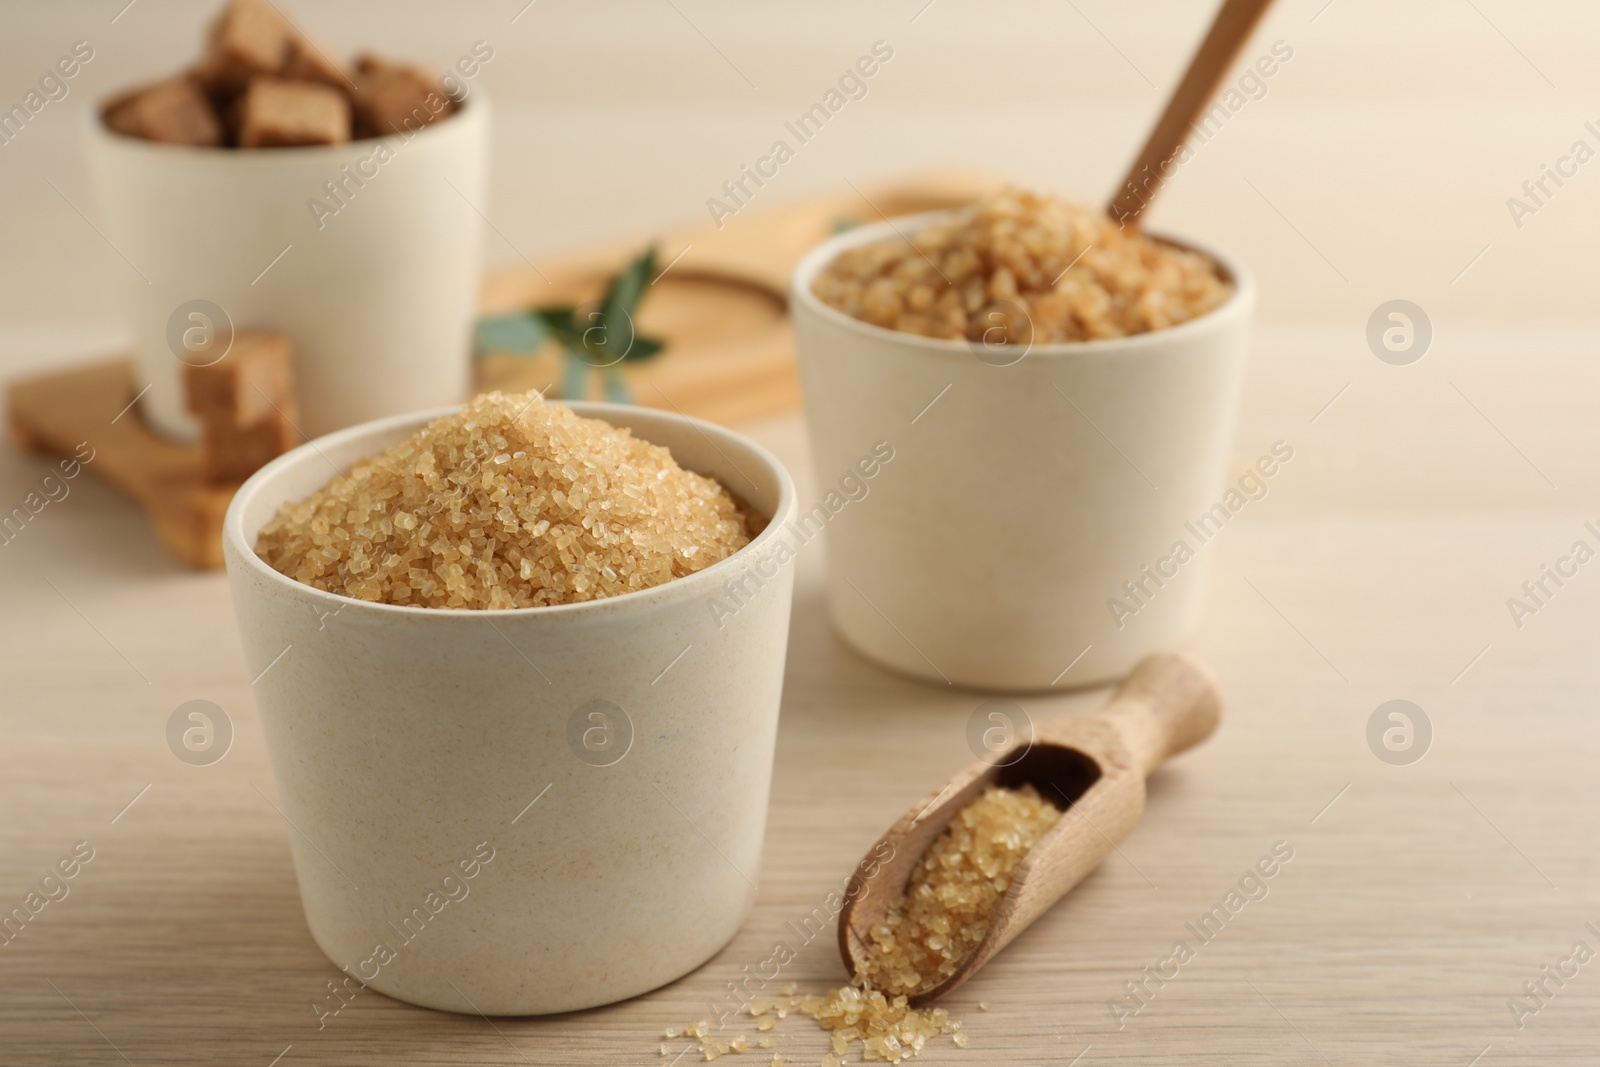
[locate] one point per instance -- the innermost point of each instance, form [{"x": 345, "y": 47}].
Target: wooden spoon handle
[
  {"x": 1229, "y": 30},
  {"x": 1170, "y": 702}
]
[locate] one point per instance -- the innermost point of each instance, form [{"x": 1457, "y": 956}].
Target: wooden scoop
[
  {"x": 1234, "y": 22},
  {"x": 1094, "y": 768}
]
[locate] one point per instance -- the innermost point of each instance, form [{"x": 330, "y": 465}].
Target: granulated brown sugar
[
  {"x": 945, "y": 910},
  {"x": 885, "y": 1028},
  {"x": 1019, "y": 268},
  {"x": 510, "y": 503},
  {"x": 943, "y": 914}
]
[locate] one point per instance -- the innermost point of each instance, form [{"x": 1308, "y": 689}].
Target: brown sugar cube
[
  {"x": 173, "y": 112},
  {"x": 280, "y": 114},
  {"x": 117, "y": 113},
  {"x": 311, "y": 61},
  {"x": 177, "y": 112},
  {"x": 120, "y": 120},
  {"x": 247, "y": 386},
  {"x": 395, "y": 97},
  {"x": 233, "y": 453},
  {"x": 250, "y": 37}
]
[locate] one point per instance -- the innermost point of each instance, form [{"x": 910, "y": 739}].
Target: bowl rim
[
  {"x": 472, "y": 110},
  {"x": 706, "y": 581},
  {"x": 1238, "y": 302}
]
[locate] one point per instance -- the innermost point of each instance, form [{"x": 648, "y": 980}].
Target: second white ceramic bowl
[
  {"x": 377, "y": 297},
  {"x": 601, "y": 769},
  {"x": 1023, "y": 496}
]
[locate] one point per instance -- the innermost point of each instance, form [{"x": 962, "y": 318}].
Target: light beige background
[{"x": 1377, "y": 166}]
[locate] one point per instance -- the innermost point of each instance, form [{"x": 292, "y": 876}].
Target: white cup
[
  {"x": 1022, "y": 495},
  {"x": 376, "y": 289},
  {"x": 612, "y": 756}
]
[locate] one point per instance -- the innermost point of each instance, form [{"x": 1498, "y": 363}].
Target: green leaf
[
  {"x": 561, "y": 324},
  {"x": 643, "y": 348},
  {"x": 607, "y": 335},
  {"x": 520, "y": 331},
  {"x": 556, "y": 318},
  {"x": 627, "y": 288},
  {"x": 611, "y": 330},
  {"x": 617, "y": 387},
  {"x": 575, "y": 379}
]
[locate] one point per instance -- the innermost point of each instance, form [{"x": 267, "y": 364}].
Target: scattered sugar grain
[{"x": 886, "y": 1029}]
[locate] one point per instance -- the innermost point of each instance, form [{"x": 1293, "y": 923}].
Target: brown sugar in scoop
[
  {"x": 951, "y": 898},
  {"x": 1020, "y": 859}
]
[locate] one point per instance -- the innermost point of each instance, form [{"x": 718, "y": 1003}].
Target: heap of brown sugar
[
  {"x": 509, "y": 503},
  {"x": 1018, "y": 268}
]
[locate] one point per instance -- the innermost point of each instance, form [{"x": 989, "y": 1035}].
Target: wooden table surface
[{"x": 1420, "y": 899}]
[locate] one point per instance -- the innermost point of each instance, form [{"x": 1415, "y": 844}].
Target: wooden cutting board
[
  {"x": 721, "y": 305},
  {"x": 719, "y": 302}
]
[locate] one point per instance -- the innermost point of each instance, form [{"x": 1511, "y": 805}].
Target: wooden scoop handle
[
  {"x": 1169, "y": 703},
  {"x": 1232, "y": 26}
]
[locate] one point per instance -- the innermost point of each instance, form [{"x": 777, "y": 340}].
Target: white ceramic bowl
[
  {"x": 403, "y": 739},
  {"x": 1023, "y": 498},
  {"x": 378, "y": 298}
]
